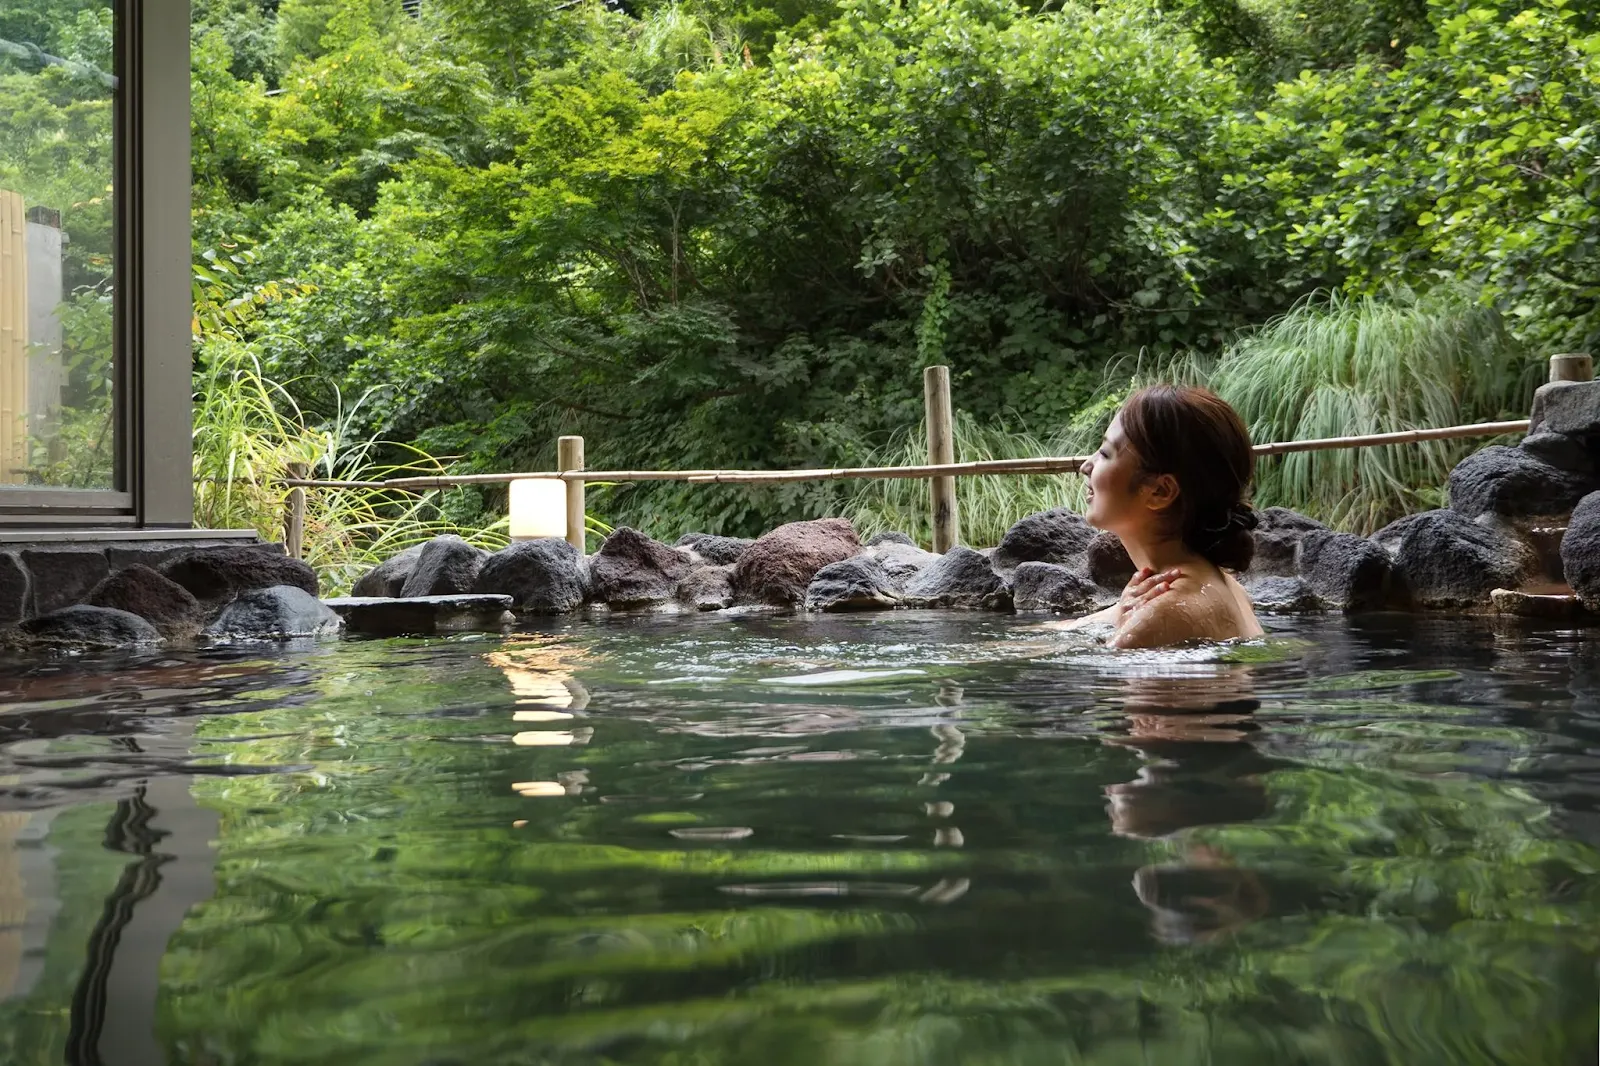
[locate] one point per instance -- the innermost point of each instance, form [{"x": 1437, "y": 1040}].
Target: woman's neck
[{"x": 1162, "y": 554}]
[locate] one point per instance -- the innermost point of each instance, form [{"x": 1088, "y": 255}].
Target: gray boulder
[
  {"x": 1569, "y": 407},
  {"x": 719, "y": 551},
  {"x": 158, "y": 600},
  {"x": 446, "y": 566},
  {"x": 277, "y": 613},
  {"x": 779, "y": 566},
  {"x": 960, "y": 578},
  {"x": 1445, "y": 559},
  {"x": 1107, "y": 561},
  {"x": 707, "y": 588},
  {"x": 1282, "y": 595},
  {"x": 900, "y": 559},
  {"x": 86, "y": 626},
  {"x": 544, "y": 576},
  {"x": 1278, "y": 534},
  {"x": 856, "y": 584},
  {"x": 1560, "y": 451},
  {"x": 1514, "y": 483},
  {"x": 216, "y": 575},
  {"x": 632, "y": 570},
  {"x": 1051, "y": 587},
  {"x": 1059, "y": 536},
  {"x": 1347, "y": 572},
  {"x": 387, "y": 578},
  {"x": 890, "y": 536},
  {"x": 1580, "y": 551}
]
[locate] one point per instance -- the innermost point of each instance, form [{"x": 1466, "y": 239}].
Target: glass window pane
[{"x": 57, "y": 366}]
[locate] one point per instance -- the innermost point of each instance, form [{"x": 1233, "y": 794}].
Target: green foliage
[
  {"x": 1346, "y": 366},
  {"x": 249, "y": 432},
  {"x": 722, "y": 234}
]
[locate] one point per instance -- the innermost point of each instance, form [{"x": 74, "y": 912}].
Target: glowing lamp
[{"x": 538, "y": 508}]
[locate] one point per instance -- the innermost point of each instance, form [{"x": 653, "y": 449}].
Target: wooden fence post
[
  {"x": 1572, "y": 366},
  {"x": 569, "y": 456},
  {"x": 941, "y": 451},
  {"x": 294, "y": 523}
]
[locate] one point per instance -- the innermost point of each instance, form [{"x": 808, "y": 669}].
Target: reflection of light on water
[
  {"x": 540, "y": 716},
  {"x": 551, "y": 738},
  {"x": 539, "y": 788},
  {"x": 542, "y": 673}
]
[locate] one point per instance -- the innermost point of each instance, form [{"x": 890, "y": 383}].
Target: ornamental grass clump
[
  {"x": 248, "y": 430},
  {"x": 1337, "y": 366}
]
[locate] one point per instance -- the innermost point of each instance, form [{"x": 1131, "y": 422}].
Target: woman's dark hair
[{"x": 1193, "y": 434}]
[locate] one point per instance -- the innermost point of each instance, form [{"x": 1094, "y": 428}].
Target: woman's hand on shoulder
[
  {"x": 1144, "y": 588},
  {"x": 1155, "y": 612}
]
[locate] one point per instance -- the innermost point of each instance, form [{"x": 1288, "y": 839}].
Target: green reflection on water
[{"x": 712, "y": 875}]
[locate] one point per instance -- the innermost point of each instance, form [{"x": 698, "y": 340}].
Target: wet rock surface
[
  {"x": 393, "y": 616},
  {"x": 1275, "y": 594},
  {"x": 16, "y": 598},
  {"x": 632, "y": 570},
  {"x": 275, "y": 613},
  {"x": 1569, "y": 407},
  {"x": 1278, "y": 534},
  {"x": 1580, "y": 551},
  {"x": 779, "y": 566},
  {"x": 63, "y": 576},
  {"x": 1059, "y": 536},
  {"x": 1051, "y": 587},
  {"x": 157, "y": 599},
  {"x": 1348, "y": 572},
  {"x": 390, "y": 576},
  {"x": 1447, "y": 560},
  {"x": 1514, "y": 483},
  {"x": 544, "y": 576},
  {"x": 707, "y": 588},
  {"x": 216, "y": 575},
  {"x": 719, "y": 551},
  {"x": 86, "y": 626},
  {"x": 1107, "y": 562},
  {"x": 855, "y": 584},
  {"x": 445, "y": 566},
  {"x": 960, "y": 578},
  {"x": 899, "y": 558}
]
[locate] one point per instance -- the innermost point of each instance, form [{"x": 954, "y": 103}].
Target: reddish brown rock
[
  {"x": 162, "y": 602},
  {"x": 778, "y": 567}
]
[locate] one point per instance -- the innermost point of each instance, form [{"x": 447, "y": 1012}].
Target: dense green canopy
[{"x": 713, "y": 234}]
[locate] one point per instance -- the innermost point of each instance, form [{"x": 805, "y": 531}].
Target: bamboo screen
[{"x": 13, "y": 338}]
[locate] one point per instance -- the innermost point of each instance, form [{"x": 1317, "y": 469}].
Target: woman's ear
[{"x": 1161, "y": 492}]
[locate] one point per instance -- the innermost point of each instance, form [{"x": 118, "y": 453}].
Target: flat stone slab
[
  {"x": 399, "y": 615},
  {"x": 1563, "y": 607}
]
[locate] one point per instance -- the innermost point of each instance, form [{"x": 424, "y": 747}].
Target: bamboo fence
[{"x": 940, "y": 473}]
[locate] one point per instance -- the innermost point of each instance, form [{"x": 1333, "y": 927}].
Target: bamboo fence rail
[
  {"x": 1042, "y": 465},
  {"x": 940, "y": 475}
]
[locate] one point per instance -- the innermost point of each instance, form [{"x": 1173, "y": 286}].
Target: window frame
[{"x": 152, "y": 405}]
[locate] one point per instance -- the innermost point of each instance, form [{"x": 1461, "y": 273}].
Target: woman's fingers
[
  {"x": 1150, "y": 589},
  {"x": 1146, "y": 580}
]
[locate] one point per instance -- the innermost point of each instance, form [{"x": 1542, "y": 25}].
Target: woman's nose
[{"x": 1087, "y": 468}]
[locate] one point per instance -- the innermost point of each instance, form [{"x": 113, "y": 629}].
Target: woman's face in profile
[{"x": 1112, "y": 477}]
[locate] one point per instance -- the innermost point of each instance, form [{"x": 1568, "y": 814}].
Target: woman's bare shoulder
[{"x": 1183, "y": 614}]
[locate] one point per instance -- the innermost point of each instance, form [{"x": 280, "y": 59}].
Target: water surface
[{"x": 877, "y": 839}]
